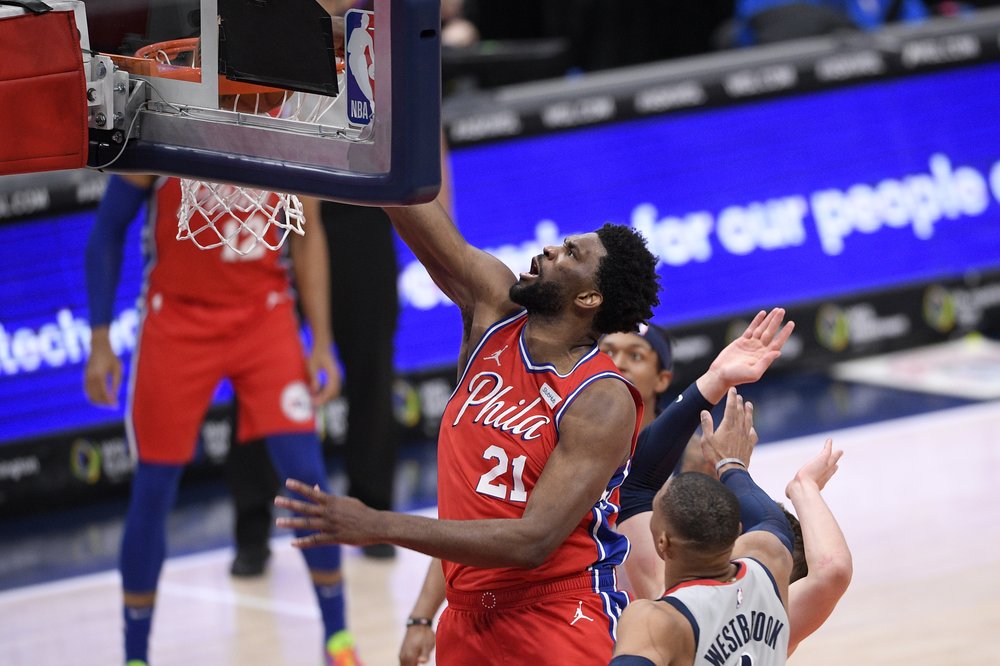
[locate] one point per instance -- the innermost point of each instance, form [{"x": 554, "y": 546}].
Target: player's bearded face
[{"x": 537, "y": 297}]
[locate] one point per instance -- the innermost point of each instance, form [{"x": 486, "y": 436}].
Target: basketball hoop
[{"x": 213, "y": 214}]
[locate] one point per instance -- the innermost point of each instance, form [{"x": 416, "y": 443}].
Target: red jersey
[
  {"x": 497, "y": 432},
  {"x": 219, "y": 276}
]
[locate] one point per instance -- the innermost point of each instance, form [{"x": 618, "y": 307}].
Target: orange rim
[{"x": 146, "y": 62}]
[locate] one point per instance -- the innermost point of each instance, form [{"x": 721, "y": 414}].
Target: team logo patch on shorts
[{"x": 296, "y": 402}]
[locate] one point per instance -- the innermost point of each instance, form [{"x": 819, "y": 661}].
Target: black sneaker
[
  {"x": 250, "y": 562},
  {"x": 379, "y": 551}
]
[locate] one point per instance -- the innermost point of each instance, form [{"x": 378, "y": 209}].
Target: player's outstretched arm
[
  {"x": 767, "y": 535},
  {"x": 466, "y": 274},
  {"x": 311, "y": 266},
  {"x": 595, "y": 437},
  {"x": 418, "y": 641},
  {"x": 743, "y": 361},
  {"x": 812, "y": 599},
  {"x": 122, "y": 201}
]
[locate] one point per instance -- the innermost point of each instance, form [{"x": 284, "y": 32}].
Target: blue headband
[{"x": 658, "y": 340}]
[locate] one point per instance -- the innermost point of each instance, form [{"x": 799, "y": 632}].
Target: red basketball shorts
[
  {"x": 570, "y": 621},
  {"x": 185, "y": 349}
]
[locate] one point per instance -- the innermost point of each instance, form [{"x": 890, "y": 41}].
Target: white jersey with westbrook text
[{"x": 738, "y": 623}]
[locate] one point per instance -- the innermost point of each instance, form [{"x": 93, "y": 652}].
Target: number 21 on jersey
[{"x": 492, "y": 482}]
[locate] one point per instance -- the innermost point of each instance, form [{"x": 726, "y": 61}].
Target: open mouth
[{"x": 533, "y": 271}]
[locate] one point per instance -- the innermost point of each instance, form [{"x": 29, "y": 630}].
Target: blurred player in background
[{"x": 208, "y": 316}]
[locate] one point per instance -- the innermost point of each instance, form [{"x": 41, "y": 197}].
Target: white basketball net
[{"x": 213, "y": 214}]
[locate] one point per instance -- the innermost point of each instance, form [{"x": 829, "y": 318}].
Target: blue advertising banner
[
  {"x": 769, "y": 203},
  {"x": 44, "y": 330}
]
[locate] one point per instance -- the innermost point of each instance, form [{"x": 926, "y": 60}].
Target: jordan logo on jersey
[
  {"x": 486, "y": 390},
  {"x": 579, "y": 615},
  {"x": 495, "y": 356}
]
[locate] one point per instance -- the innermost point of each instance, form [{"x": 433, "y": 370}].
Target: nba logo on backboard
[{"x": 359, "y": 30}]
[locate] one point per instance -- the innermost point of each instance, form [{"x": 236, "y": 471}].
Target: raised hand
[
  {"x": 819, "y": 470},
  {"x": 747, "y": 357},
  {"x": 735, "y": 436}
]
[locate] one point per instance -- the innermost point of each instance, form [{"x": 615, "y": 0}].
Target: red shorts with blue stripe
[{"x": 185, "y": 349}]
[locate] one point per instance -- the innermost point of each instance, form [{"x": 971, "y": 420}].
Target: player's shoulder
[
  {"x": 601, "y": 393},
  {"x": 650, "y": 626},
  {"x": 653, "y": 613}
]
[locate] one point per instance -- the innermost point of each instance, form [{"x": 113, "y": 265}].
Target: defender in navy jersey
[{"x": 727, "y": 594}]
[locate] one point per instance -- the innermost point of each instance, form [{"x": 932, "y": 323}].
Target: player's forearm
[
  {"x": 311, "y": 265},
  {"x": 436, "y": 242},
  {"x": 432, "y": 593},
  {"x": 811, "y": 600},
  {"x": 478, "y": 543},
  {"x": 826, "y": 548},
  {"x": 758, "y": 512}
]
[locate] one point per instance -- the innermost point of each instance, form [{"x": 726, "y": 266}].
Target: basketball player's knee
[{"x": 298, "y": 456}]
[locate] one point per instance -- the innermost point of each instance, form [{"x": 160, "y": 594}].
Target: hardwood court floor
[{"x": 917, "y": 497}]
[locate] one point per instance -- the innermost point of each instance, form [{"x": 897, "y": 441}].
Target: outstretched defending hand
[
  {"x": 735, "y": 437},
  {"x": 334, "y": 519},
  {"x": 817, "y": 471},
  {"x": 747, "y": 357}
]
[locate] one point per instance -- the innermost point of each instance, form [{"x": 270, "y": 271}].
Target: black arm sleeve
[
  {"x": 659, "y": 449},
  {"x": 757, "y": 510}
]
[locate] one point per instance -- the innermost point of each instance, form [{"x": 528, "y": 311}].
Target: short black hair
[
  {"x": 626, "y": 278},
  {"x": 702, "y": 510}
]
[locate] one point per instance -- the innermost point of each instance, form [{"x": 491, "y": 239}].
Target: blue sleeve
[
  {"x": 105, "y": 247},
  {"x": 757, "y": 510},
  {"x": 659, "y": 449},
  {"x": 630, "y": 660}
]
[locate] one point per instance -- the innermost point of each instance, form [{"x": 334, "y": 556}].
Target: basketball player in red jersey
[
  {"x": 532, "y": 447},
  {"x": 209, "y": 315}
]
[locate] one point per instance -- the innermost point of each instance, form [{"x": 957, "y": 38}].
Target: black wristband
[{"x": 419, "y": 622}]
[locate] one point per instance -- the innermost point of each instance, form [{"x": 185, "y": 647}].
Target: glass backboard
[{"x": 303, "y": 96}]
